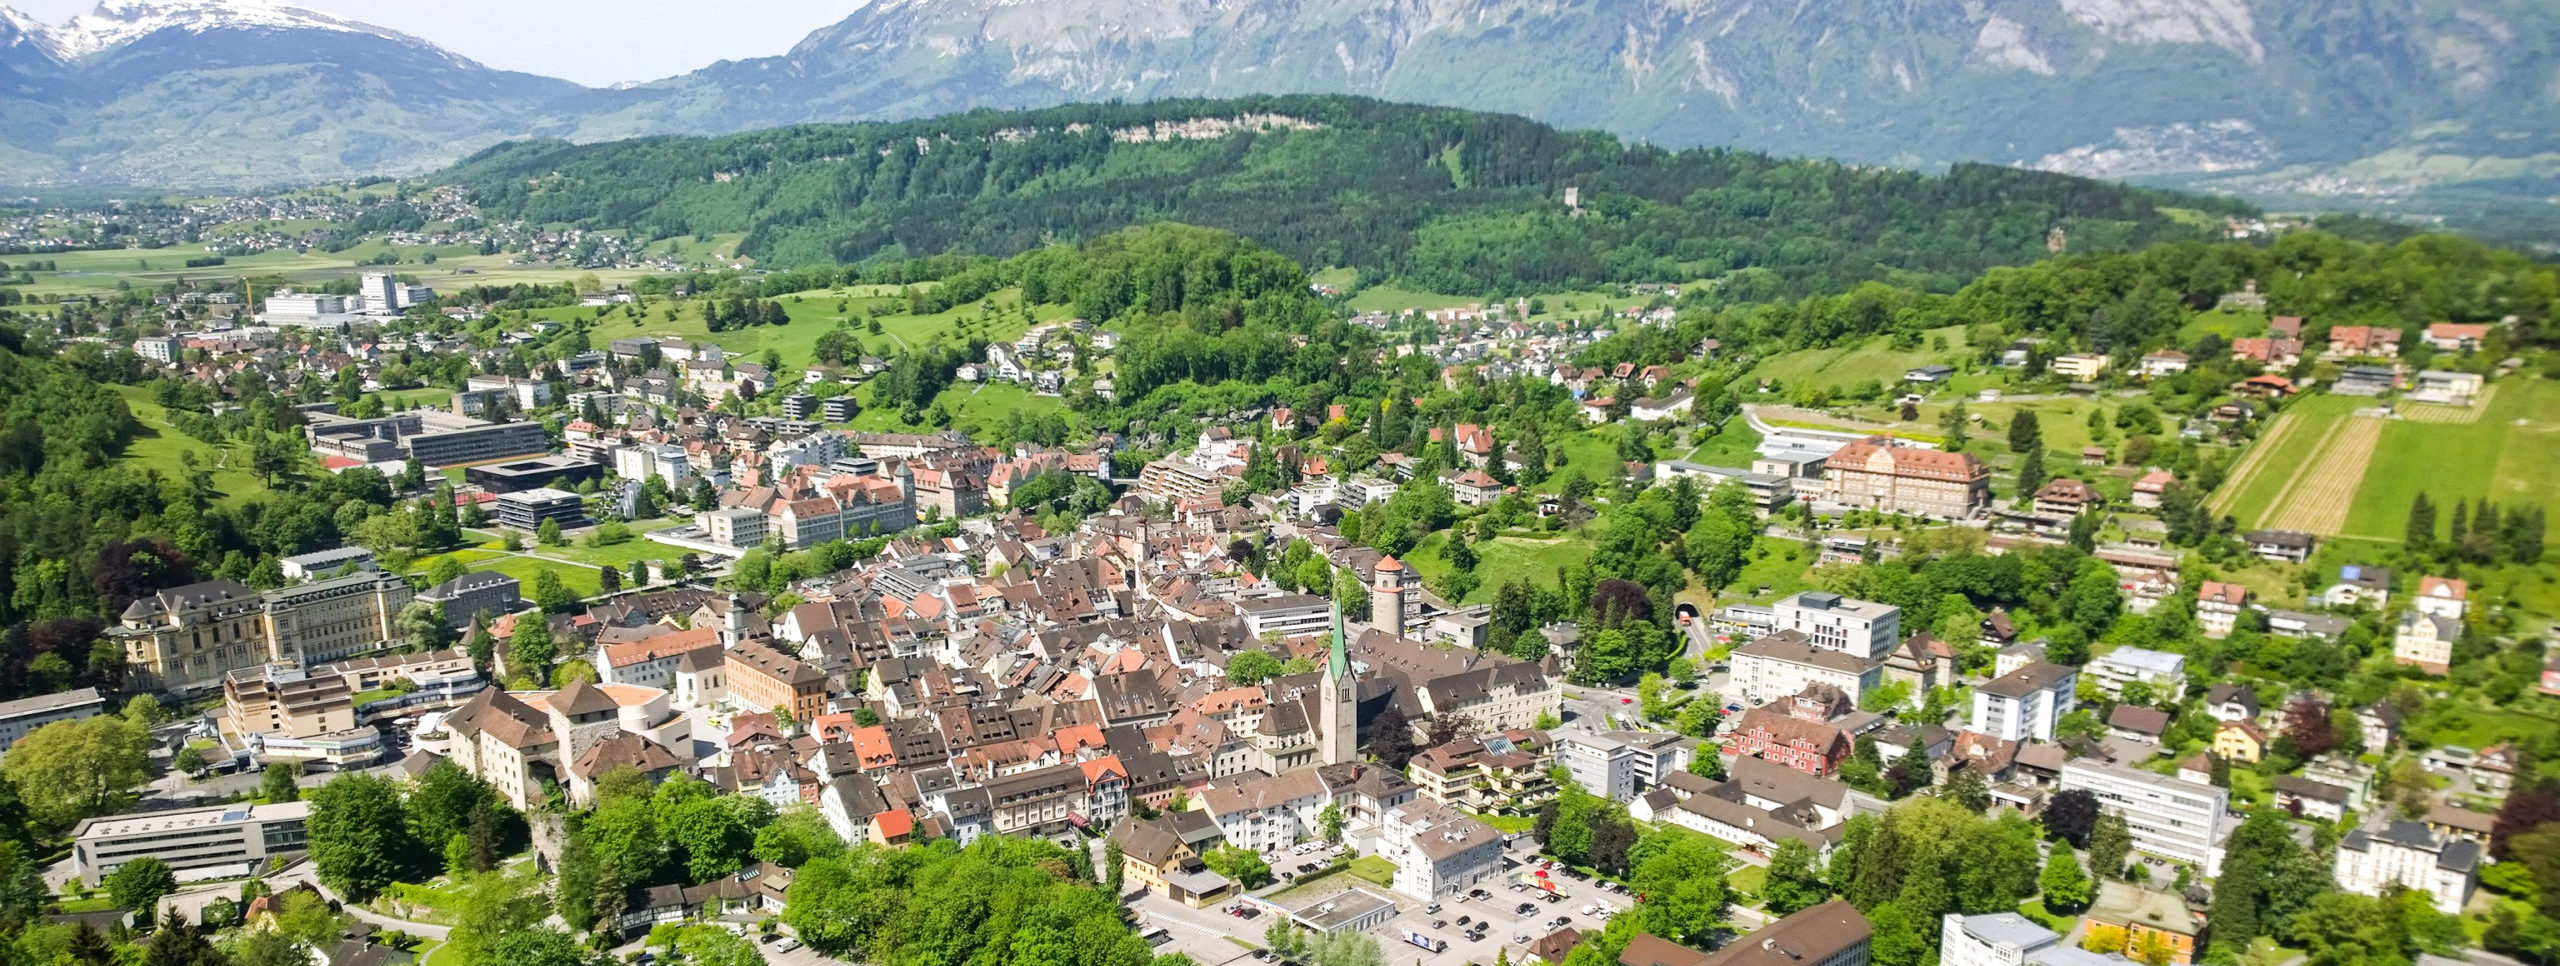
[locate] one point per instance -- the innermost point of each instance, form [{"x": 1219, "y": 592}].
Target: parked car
[
  {"x": 1463, "y": 920},
  {"x": 1527, "y": 909},
  {"x": 786, "y": 944}
]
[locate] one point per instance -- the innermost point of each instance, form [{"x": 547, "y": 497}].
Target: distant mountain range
[
  {"x": 2321, "y": 97},
  {"x": 240, "y": 93}
]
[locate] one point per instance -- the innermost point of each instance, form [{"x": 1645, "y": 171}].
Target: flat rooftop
[
  {"x": 193, "y": 818},
  {"x": 1341, "y": 909}
]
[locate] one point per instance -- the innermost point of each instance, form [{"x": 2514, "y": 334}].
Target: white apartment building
[
  {"x": 2023, "y": 705},
  {"x": 1618, "y": 765},
  {"x": 1832, "y": 622},
  {"x": 2177, "y": 820},
  {"x": 1439, "y": 852},
  {"x": 2166, "y": 673},
  {"x": 163, "y": 349},
  {"x": 1781, "y": 664},
  {"x": 2412, "y": 855}
]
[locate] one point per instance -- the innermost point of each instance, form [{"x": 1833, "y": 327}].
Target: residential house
[
  {"x": 2147, "y": 918},
  {"x": 2164, "y": 672},
  {"x": 2282, "y": 546},
  {"x": 2451, "y": 337},
  {"x": 2218, "y": 607},
  {"x": 2241, "y": 741},
  {"x": 2425, "y": 641},
  {"x": 2412, "y": 856},
  {"x": 2166, "y": 362},
  {"x": 2359, "y": 586}
]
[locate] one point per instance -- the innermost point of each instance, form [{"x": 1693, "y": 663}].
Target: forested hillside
[{"x": 1452, "y": 200}]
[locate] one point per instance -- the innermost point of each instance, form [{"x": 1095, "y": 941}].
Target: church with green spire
[{"x": 1338, "y": 717}]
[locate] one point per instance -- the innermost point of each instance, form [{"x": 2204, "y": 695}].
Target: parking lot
[{"x": 1473, "y": 928}]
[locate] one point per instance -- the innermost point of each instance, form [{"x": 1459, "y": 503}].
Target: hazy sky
[{"x": 595, "y": 42}]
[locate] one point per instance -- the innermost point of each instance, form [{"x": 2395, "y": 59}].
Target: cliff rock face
[
  {"x": 2101, "y": 87},
  {"x": 2349, "y": 94}
]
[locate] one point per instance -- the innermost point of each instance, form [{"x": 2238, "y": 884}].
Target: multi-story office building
[
  {"x": 550, "y": 471},
  {"x": 20, "y": 717},
  {"x": 2177, "y": 820},
  {"x": 479, "y": 443},
  {"x": 2008, "y": 939},
  {"x": 1618, "y": 765},
  {"x": 1832, "y": 622},
  {"x": 526, "y": 509},
  {"x": 215, "y": 842},
  {"x": 735, "y": 526},
  {"x": 284, "y": 699}
]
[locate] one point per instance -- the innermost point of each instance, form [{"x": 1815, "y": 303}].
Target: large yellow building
[{"x": 188, "y": 638}]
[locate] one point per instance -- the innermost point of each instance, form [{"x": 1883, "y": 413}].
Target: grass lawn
[
  {"x": 1509, "y": 824},
  {"x": 814, "y": 313},
  {"x": 159, "y": 446},
  {"x": 97, "y": 903},
  {"x": 2034, "y": 909},
  {"x": 579, "y": 578},
  {"x": 1374, "y": 869},
  {"x": 2512, "y": 454},
  {"x": 1748, "y": 880},
  {"x": 1781, "y": 565},
  {"x": 639, "y": 547},
  {"x": 1874, "y": 358},
  {"x": 1585, "y": 454},
  {"x": 1503, "y": 560},
  {"x": 422, "y": 902},
  {"x": 974, "y": 408},
  {"x": 2064, "y": 424},
  {"x": 2229, "y": 325},
  {"x": 1388, "y": 298},
  {"x": 2475, "y": 726},
  {"x": 1735, "y": 445},
  {"x": 363, "y": 698},
  {"x": 429, "y": 397}
]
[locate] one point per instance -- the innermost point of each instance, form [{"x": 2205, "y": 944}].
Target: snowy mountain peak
[{"x": 116, "y": 23}]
